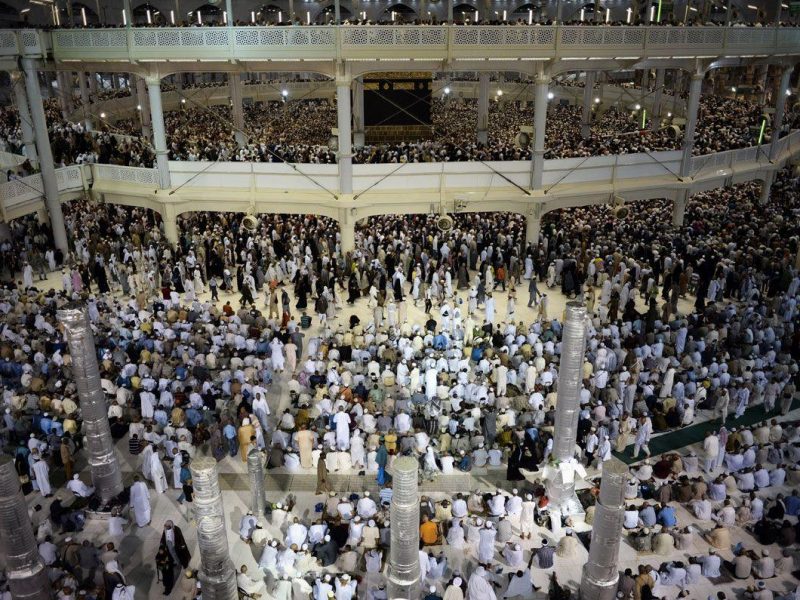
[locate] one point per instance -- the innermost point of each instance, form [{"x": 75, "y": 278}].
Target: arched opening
[
  {"x": 208, "y": 14},
  {"x": 464, "y": 12},
  {"x": 84, "y": 15},
  {"x": 399, "y": 13},
  {"x": 147, "y": 14},
  {"x": 10, "y": 16},
  {"x": 271, "y": 13},
  {"x": 328, "y": 14}
]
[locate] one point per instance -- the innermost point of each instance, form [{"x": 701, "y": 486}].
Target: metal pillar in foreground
[
  {"x": 106, "y": 474},
  {"x": 27, "y": 576},
  {"x": 255, "y": 469},
  {"x": 403, "y": 571},
  {"x": 217, "y": 574},
  {"x": 601, "y": 572},
  {"x": 561, "y": 476}
]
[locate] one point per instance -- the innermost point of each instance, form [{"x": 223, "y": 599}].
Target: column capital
[
  {"x": 542, "y": 78},
  {"x": 152, "y": 80}
]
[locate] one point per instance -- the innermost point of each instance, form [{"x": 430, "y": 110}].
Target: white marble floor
[{"x": 138, "y": 547}]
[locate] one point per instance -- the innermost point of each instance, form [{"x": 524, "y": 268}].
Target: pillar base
[
  {"x": 220, "y": 587},
  {"x": 592, "y": 589}
]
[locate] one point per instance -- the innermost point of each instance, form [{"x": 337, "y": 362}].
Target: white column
[
  {"x": 483, "y": 108},
  {"x": 26, "y": 124},
  {"x": 658, "y": 98},
  {"x": 84, "y": 86},
  {"x": 766, "y": 186},
  {"x": 539, "y": 122},
  {"x": 337, "y": 12},
  {"x": 235, "y": 84},
  {"x": 46, "y": 165},
  {"x": 588, "y": 98},
  {"x": 170, "y": 224},
  {"x": 347, "y": 230},
  {"x": 533, "y": 226},
  {"x": 358, "y": 112},
  {"x": 159, "y": 135},
  {"x": 229, "y": 12},
  {"x": 450, "y": 11},
  {"x": 345, "y": 156},
  {"x": 692, "y": 106},
  {"x": 679, "y": 208},
  {"x": 780, "y": 107},
  {"x": 144, "y": 102},
  {"x": 64, "y": 93}
]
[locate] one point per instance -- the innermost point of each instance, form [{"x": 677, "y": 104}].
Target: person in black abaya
[
  {"x": 353, "y": 289},
  {"x": 515, "y": 460},
  {"x": 99, "y": 274}
]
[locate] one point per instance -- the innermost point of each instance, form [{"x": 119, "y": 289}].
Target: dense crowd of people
[
  {"x": 416, "y": 343},
  {"x": 299, "y": 131},
  {"x": 536, "y": 17}
]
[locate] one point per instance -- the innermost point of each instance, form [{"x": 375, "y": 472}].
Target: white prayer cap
[
  {"x": 371, "y": 523},
  {"x": 432, "y": 589},
  {"x": 366, "y": 494},
  {"x": 327, "y": 538}
]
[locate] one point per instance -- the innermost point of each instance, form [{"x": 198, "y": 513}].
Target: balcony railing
[
  {"x": 326, "y": 43},
  {"x": 786, "y": 146},
  {"x": 634, "y": 171}
]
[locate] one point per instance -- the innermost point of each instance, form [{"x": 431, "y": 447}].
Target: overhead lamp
[
  {"x": 447, "y": 90},
  {"x": 550, "y": 95},
  {"x": 284, "y": 93},
  {"x": 102, "y": 115}
]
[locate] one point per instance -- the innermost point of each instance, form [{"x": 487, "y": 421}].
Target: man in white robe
[
  {"x": 157, "y": 474},
  {"x": 80, "y": 489},
  {"x": 342, "y": 422},
  {"x": 250, "y": 586},
  {"x": 177, "y": 462},
  {"x": 520, "y": 585},
  {"x": 42, "y": 473},
  {"x": 479, "y": 586},
  {"x": 140, "y": 501},
  {"x": 147, "y": 454}
]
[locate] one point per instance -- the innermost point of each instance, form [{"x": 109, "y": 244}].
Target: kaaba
[{"x": 397, "y": 107}]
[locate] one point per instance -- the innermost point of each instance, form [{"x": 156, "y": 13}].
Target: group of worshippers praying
[{"x": 470, "y": 387}]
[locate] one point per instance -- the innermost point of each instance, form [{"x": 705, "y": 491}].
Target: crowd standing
[
  {"x": 299, "y": 131},
  {"x": 416, "y": 343}
]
